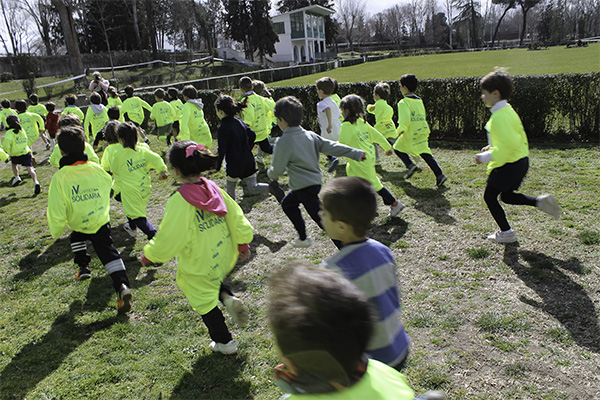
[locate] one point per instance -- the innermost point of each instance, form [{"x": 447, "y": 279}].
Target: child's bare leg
[
  {"x": 33, "y": 175},
  {"x": 15, "y": 169}
]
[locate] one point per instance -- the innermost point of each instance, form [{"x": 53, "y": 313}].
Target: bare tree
[
  {"x": 507, "y": 5},
  {"x": 14, "y": 20},
  {"x": 350, "y": 12},
  {"x": 526, "y": 5},
  {"x": 42, "y": 14}
]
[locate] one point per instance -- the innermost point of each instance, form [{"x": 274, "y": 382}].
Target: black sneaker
[
  {"x": 439, "y": 181},
  {"x": 276, "y": 191},
  {"x": 37, "y": 190},
  {"x": 83, "y": 274},
  {"x": 411, "y": 170},
  {"x": 124, "y": 303}
]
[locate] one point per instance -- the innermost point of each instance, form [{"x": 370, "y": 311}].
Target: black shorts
[
  {"x": 509, "y": 177},
  {"x": 176, "y": 126},
  {"x": 24, "y": 160}
]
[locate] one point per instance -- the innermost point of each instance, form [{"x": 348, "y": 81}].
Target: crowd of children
[{"x": 354, "y": 293}]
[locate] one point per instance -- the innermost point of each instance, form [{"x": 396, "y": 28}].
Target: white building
[{"x": 301, "y": 34}]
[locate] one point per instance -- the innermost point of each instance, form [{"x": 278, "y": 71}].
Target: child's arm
[
  {"x": 144, "y": 104},
  {"x": 153, "y": 112},
  {"x": 239, "y": 227},
  {"x": 248, "y": 114},
  {"x": 403, "y": 118},
  {"x": 222, "y": 146},
  {"x": 279, "y": 162},
  {"x": 376, "y": 137},
  {"x": 57, "y": 210},
  {"x": 339, "y": 150},
  {"x": 328, "y": 114},
  {"x": 184, "y": 126},
  {"x": 155, "y": 162}
]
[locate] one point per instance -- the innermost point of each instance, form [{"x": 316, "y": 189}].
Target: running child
[
  {"x": 357, "y": 133},
  {"x": 178, "y": 108},
  {"x": 236, "y": 140},
  {"x": 254, "y": 115},
  {"x": 71, "y": 120},
  {"x": 6, "y": 111},
  {"x": 52, "y": 122},
  {"x": 95, "y": 117},
  {"x": 39, "y": 109},
  {"x": 32, "y": 123},
  {"x": 114, "y": 100},
  {"x": 71, "y": 107},
  {"x": 413, "y": 131},
  {"x": 328, "y": 115},
  {"x": 113, "y": 114},
  {"x": 133, "y": 110},
  {"x": 322, "y": 324},
  {"x": 349, "y": 207},
  {"x": 383, "y": 113},
  {"x": 259, "y": 88},
  {"x": 79, "y": 198},
  {"x": 131, "y": 167},
  {"x": 297, "y": 152},
  {"x": 16, "y": 146},
  {"x": 507, "y": 157},
  {"x": 207, "y": 231},
  {"x": 162, "y": 113},
  {"x": 193, "y": 126}
]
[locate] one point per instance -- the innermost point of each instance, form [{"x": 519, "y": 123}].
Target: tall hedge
[{"x": 564, "y": 107}]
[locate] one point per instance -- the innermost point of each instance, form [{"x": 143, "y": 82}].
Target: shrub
[
  {"x": 6, "y": 76},
  {"x": 29, "y": 85}
]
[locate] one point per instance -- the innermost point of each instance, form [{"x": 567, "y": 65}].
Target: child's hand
[
  {"x": 486, "y": 148},
  {"x": 163, "y": 175},
  {"x": 329, "y": 129},
  {"x": 370, "y": 107},
  {"x": 244, "y": 255},
  {"x": 389, "y": 152},
  {"x": 477, "y": 159},
  {"x": 144, "y": 261},
  {"x": 363, "y": 157}
]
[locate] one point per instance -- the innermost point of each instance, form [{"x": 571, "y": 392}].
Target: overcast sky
[{"x": 372, "y": 6}]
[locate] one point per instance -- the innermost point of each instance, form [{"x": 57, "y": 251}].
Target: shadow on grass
[
  {"x": 273, "y": 247},
  {"x": 214, "y": 376},
  {"x": 36, "y": 263},
  {"x": 11, "y": 198},
  {"x": 562, "y": 298},
  {"x": 389, "y": 232},
  {"x": 41, "y": 357}
]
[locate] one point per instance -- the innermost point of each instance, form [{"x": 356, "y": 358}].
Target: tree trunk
[
  {"x": 136, "y": 27},
  {"x": 498, "y": 25},
  {"x": 524, "y": 26},
  {"x": 150, "y": 14},
  {"x": 9, "y": 30},
  {"x": 68, "y": 28}
]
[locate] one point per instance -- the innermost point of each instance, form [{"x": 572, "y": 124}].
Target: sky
[{"x": 372, "y": 6}]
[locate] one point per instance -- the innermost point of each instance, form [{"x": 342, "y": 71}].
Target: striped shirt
[{"x": 370, "y": 265}]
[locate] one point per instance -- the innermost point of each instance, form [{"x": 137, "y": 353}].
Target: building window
[
  {"x": 279, "y": 28},
  {"x": 297, "y": 22}
]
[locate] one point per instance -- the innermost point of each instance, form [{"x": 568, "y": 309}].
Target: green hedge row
[{"x": 558, "y": 108}]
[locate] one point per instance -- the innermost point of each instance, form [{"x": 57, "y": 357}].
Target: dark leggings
[
  {"x": 504, "y": 181},
  {"x": 309, "y": 197},
  {"x": 428, "y": 158},
  {"x": 215, "y": 321},
  {"x": 144, "y": 225},
  {"x": 265, "y": 146},
  {"x": 388, "y": 198}
]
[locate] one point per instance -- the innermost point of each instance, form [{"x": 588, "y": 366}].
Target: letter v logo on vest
[
  {"x": 130, "y": 162},
  {"x": 75, "y": 190}
]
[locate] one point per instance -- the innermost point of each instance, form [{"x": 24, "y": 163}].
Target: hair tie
[{"x": 189, "y": 151}]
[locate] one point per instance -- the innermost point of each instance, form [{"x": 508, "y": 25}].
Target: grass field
[
  {"x": 486, "y": 321},
  {"x": 555, "y": 60}
]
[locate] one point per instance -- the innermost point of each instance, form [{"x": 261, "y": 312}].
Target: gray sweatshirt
[{"x": 297, "y": 150}]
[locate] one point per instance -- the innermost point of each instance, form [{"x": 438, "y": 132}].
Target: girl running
[{"x": 15, "y": 144}]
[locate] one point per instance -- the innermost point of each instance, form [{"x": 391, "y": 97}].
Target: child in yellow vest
[
  {"x": 71, "y": 108},
  {"x": 177, "y": 105},
  {"x": 95, "y": 117},
  {"x": 357, "y": 133},
  {"x": 207, "y": 231},
  {"x": 413, "y": 131},
  {"x": 193, "y": 126},
  {"x": 15, "y": 145},
  {"x": 162, "y": 113},
  {"x": 254, "y": 115},
  {"x": 39, "y": 109},
  {"x": 6, "y": 111},
  {"x": 114, "y": 100},
  {"x": 32, "y": 123},
  {"x": 383, "y": 113},
  {"x": 71, "y": 120},
  {"x": 133, "y": 110},
  {"x": 507, "y": 157}
]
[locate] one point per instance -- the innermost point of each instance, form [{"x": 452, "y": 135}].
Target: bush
[
  {"x": 27, "y": 65},
  {"x": 29, "y": 86},
  {"x": 6, "y": 76}
]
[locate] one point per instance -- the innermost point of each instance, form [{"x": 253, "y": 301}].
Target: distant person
[
  {"x": 163, "y": 114},
  {"x": 177, "y": 105},
  {"x": 297, "y": 152},
  {"x": 255, "y": 115},
  {"x": 413, "y": 131},
  {"x": 235, "y": 140},
  {"x": 383, "y": 113},
  {"x": 133, "y": 110},
  {"x": 95, "y": 117},
  {"x": 114, "y": 100},
  {"x": 16, "y": 146},
  {"x": 32, "y": 123},
  {"x": 322, "y": 325},
  {"x": 328, "y": 115},
  {"x": 39, "y": 109},
  {"x": 56, "y": 156},
  {"x": 71, "y": 107},
  {"x": 207, "y": 231},
  {"x": 357, "y": 133},
  {"x": 100, "y": 85},
  {"x": 85, "y": 211},
  {"x": 349, "y": 207},
  {"x": 506, "y": 156},
  {"x": 193, "y": 125},
  {"x": 6, "y": 110},
  {"x": 52, "y": 122}
]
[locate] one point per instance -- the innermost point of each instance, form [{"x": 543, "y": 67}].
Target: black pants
[
  {"x": 388, "y": 198},
  {"x": 215, "y": 321},
  {"x": 309, "y": 197},
  {"x": 428, "y": 158},
  {"x": 504, "y": 181},
  {"x": 144, "y": 225},
  {"x": 105, "y": 248}
]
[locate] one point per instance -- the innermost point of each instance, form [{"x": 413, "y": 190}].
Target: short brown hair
[
  {"x": 290, "y": 110},
  {"x": 190, "y": 92},
  {"x": 159, "y": 93},
  {"x": 245, "y": 83},
  {"x": 382, "y": 90},
  {"x": 498, "y": 80},
  {"x": 71, "y": 139},
  {"x": 351, "y": 200},
  {"x": 327, "y": 85},
  {"x": 410, "y": 81},
  {"x": 315, "y": 311}
]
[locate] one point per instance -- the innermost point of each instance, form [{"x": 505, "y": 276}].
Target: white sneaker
[
  {"x": 237, "y": 310},
  {"x": 128, "y": 229},
  {"x": 503, "y": 237},
  {"x": 395, "y": 210},
  {"x": 224, "y": 348},
  {"x": 548, "y": 204},
  {"x": 302, "y": 243},
  {"x": 16, "y": 180}
]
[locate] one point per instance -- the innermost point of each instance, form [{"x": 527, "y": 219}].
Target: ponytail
[
  {"x": 13, "y": 122},
  {"x": 128, "y": 132},
  {"x": 191, "y": 159}
]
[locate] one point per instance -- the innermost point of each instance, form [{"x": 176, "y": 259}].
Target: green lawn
[
  {"x": 486, "y": 321},
  {"x": 555, "y": 60}
]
